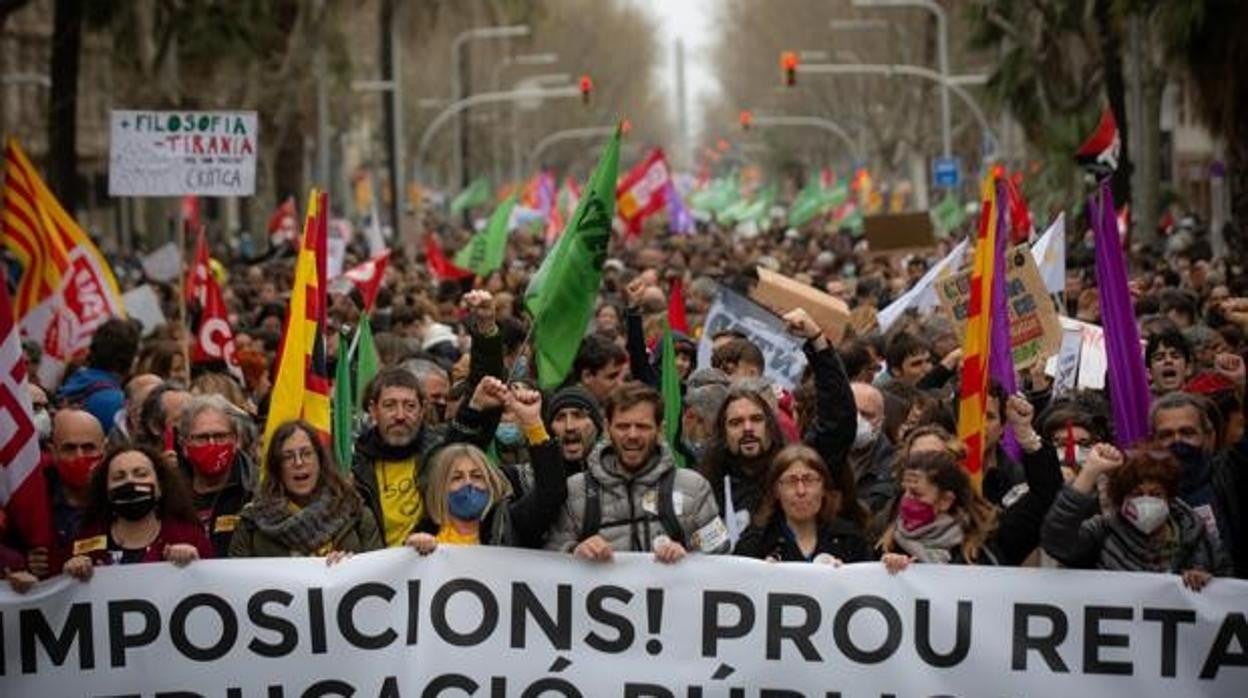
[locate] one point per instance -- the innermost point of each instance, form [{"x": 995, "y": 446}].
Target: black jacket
[
  {"x": 523, "y": 520},
  {"x": 225, "y": 503},
  {"x": 1018, "y": 528},
  {"x": 840, "y": 539}
]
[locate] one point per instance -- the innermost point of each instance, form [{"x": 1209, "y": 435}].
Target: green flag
[
  {"x": 341, "y": 406},
  {"x": 562, "y": 293},
  {"x": 815, "y": 201},
  {"x": 477, "y": 194},
  {"x": 366, "y": 360},
  {"x": 670, "y": 386},
  {"x": 484, "y": 252},
  {"x": 948, "y": 215}
]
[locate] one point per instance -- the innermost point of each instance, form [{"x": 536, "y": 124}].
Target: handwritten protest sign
[
  {"x": 1035, "y": 331},
  {"x": 781, "y": 350},
  {"x": 165, "y": 153}
]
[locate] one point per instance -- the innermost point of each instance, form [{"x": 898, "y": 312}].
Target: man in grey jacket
[{"x": 632, "y": 497}]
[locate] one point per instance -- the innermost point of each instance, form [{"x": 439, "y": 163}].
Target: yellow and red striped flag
[
  {"x": 973, "y": 398},
  {"x": 65, "y": 289},
  {"x": 301, "y": 386}
]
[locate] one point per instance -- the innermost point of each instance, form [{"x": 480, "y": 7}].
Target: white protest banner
[
  {"x": 164, "y": 264},
  {"x": 1066, "y": 364},
  {"x": 143, "y": 304},
  {"x": 781, "y": 350},
  {"x": 175, "y": 153},
  {"x": 923, "y": 294},
  {"x": 504, "y": 623}
]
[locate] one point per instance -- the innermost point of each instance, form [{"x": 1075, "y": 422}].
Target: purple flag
[
  {"x": 679, "y": 220},
  {"x": 1000, "y": 351},
  {"x": 1128, "y": 382}
]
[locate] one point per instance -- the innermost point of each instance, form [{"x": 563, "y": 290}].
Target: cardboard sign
[
  {"x": 781, "y": 294},
  {"x": 167, "y": 153},
  {"x": 1035, "y": 331},
  {"x": 895, "y": 232}
]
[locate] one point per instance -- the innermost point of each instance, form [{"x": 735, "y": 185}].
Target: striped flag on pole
[
  {"x": 301, "y": 386},
  {"x": 973, "y": 398}
]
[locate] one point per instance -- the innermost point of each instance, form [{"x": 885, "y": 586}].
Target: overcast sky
[{"x": 692, "y": 21}]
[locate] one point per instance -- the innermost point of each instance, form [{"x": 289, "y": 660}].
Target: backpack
[{"x": 592, "y": 520}]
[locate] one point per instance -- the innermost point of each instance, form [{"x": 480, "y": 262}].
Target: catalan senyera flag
[
  {"x": 52, "y": 250},
  {"x": 973, "y": 397},
  {"x": 301, "y": 388}
]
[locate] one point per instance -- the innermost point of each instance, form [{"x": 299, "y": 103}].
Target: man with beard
[
  {"x": 632, "y": 497},
  {"x": 1169, "y": 360},
  {"x": 389, "y": 457},
  {"x": 1212, "y": 484},
  {"x": 747, "y": 435},
  {"x": 218, "y": 470}
]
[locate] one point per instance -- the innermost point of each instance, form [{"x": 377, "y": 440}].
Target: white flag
[
  {"x": 922, "y": 295},
  {"x": 1049, "y": 252}
]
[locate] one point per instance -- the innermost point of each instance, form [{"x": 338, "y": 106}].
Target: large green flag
[
  {"x": 342, "y": 407},
  {"x": 814, "y": 201},
  {"x": 484, "y": 252},
  {"x": 477, "y": 194},
  {"x": 562, "y": 293},
  {"x": 670, "y": 387},
  {"x": 366, "y": 360},
  {"x": 948, "y": 215}
]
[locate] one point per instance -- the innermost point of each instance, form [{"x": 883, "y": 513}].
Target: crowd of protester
[{"x": 147, "y": 458}]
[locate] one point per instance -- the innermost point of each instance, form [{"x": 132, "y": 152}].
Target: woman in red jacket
[{"x": 138, "y": 510}]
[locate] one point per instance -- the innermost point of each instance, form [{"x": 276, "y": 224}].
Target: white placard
[
  {"x": 175, "y": 153},
  {"x": 143, "y": 304},
  {"x": 164, "y": 264},
  {"x": 486, "y": 622}
]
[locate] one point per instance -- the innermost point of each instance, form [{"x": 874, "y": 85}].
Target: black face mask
[{"x": 132, "y": 501}]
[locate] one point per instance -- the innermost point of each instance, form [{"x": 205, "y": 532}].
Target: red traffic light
[
  {"x": 587, "y": 86},
  {"x": 746, "y": 119},
  {"x": 788, "y": 64}
]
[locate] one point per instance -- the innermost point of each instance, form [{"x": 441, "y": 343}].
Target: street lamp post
[
  {"x": 457, "y": 107},
  {"x": 567, "y": 134},
  {"x": 525, "y": 59},
  {"x": 812, "y": 122},
  {"x": 543, "y": 80},
  {"x": 457, "y": 87},
  {"x": 864, "y": 25},
  {"x": 942, "y": 46}
]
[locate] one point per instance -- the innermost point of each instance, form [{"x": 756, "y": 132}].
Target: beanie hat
[{"x": 574, "y": 396}]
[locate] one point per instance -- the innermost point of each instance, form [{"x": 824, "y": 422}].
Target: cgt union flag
[
  {"x": 65, "y": 289},
  {"x": 214, "y": 338}
]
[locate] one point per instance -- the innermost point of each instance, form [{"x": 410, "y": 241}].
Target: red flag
[
  {"x": 441, "y": 267},
  {"x": 676, "y": 318},
  {"x": 642, "y": 191},
  {"x": 1016, "y": 207},
  {"x": 23, "y": 491},
  {"x": 283, "y": 224},
  {"x": 190, "y": 211},
  {"x": 1099, "y": 153},
  {"x": 367, "y": 277},
  {"x": 214, "y": 338}
]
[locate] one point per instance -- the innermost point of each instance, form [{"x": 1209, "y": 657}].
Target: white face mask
[
  {"x": 43, "y": 423},
  {"x": 1146, "y": 513},
  {"x": 866, "y": 434}
]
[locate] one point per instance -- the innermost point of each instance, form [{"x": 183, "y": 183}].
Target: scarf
[
  {"x": 931, "y": 543},
  {"x": 305, "y": 530}
]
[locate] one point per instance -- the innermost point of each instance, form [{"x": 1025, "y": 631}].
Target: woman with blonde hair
[
  {"x": 941, "y": 518},
  {"x": 468, "y": 501}
]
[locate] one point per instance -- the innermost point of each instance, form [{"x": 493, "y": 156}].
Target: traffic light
[
  {"x": 788, "y": 63},
  {"x": 746, "y": 119},
  {"x": 625, "y": 127},
  {"x": 587, "y": 86}
]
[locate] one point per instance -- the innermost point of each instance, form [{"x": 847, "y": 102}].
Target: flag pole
[{"x": 182, "y": 311}]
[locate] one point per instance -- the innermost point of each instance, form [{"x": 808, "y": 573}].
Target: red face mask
[
  {"x": 210, "y": 460},
  {"x": 76, "y": 472},
  {"x": 915, "y": 513}
]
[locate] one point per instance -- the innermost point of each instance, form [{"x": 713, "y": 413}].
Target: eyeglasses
[
  {"x": 214, "y": 437},
  {"x": 303, "y": 455},
  {"x": 792, "y": 481}
]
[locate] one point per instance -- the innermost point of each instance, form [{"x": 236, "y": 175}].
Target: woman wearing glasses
[
  {"x": 303, "y": 506},
  {"x": 803, "y": 516}
]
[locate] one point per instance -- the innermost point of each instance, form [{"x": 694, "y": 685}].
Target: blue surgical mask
[
  {"x": 508, "y": 434},
  {"x": 468, "y": 503}
]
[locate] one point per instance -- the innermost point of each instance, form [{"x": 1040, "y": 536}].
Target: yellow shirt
[
  {"x": 450, "y": 536},
  {"x": 401, "y": 504}
]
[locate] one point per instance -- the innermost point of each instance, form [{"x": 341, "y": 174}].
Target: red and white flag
[
  {"x": 642, "y": 192},
  {"x": 442, "y": 268},
  {"x": 214, "y": 338},
  {"x": 23, "y": 491},
  {"x": 367, "y": 277}
]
